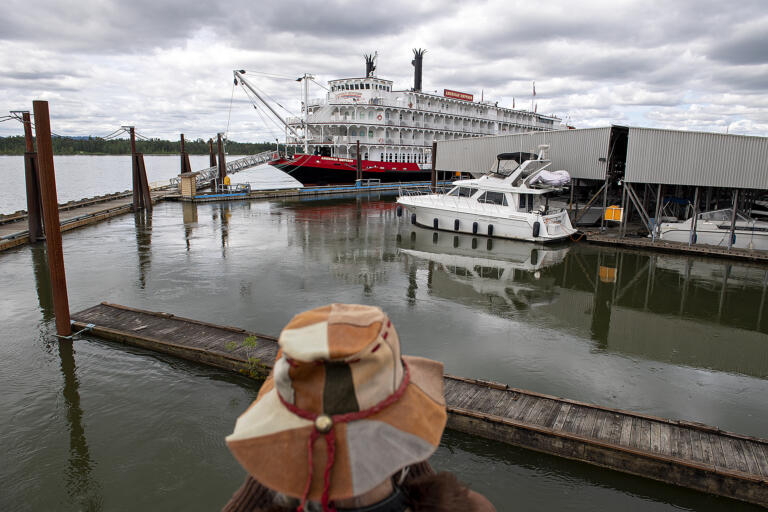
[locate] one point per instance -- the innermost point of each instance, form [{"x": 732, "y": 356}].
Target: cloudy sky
[{"x": 165, "y": 66}]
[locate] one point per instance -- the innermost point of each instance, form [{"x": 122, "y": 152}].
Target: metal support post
[
  {"x": 733, "y": 218},
  {"x": 434, "y": 170},
  {"x": 222, "y": 162},
  {"x": 657, "y": 219},
  {"x": 692, "y": 234},
  {"x": 50, "y": 206},
  {"x": 359, "y": 173},
  {"x": 32, "y": 176}
]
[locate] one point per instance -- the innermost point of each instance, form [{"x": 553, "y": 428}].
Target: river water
[
  {"x": 80, "y": 176},
  {"x": 101, "y": 426}
]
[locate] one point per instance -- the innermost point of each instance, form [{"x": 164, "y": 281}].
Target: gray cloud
[{"x": 166, "y": 66}]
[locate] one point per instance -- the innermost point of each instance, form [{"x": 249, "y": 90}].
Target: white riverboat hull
[{"x": 502, "y": 222}]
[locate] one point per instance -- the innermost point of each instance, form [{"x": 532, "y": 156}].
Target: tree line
[{"x": 15, "y": 145}]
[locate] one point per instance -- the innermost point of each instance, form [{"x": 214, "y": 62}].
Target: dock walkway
[
  {"x": 678, "y": 452},
  {"x": 14, "y": 231},
  {"x": 676, "y": 247}
]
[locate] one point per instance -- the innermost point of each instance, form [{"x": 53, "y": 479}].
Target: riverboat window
[{"x": 493, "y": 198}]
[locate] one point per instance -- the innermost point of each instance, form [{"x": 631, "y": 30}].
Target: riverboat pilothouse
[{"x": 395, "y": 129}]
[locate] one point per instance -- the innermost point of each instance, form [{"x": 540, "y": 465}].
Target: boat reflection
[{"x": 502, "y": 272}]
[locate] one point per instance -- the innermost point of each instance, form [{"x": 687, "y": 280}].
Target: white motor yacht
[
  {"x": 509, "y": 202},
  {"x": 714, "y": 228}
]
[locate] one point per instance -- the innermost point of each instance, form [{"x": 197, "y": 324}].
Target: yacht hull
[
  {"x": 711, "y": 234},
  {"x": 513, "y": 227}
]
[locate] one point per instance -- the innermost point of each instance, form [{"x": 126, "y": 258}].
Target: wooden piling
[
  {"x": 135, "y": 180},
  {"x": 32, "y": 176},
  {"x": 185, "y": 165},
  {"x": 434, "y": 170},
  {"x": 212, "y": 154},
  {"x": 50, "y": 205}
]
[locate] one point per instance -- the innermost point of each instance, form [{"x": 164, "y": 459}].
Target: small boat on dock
[
  {"x": 509, "y": 202},
  {"x": 714, "y": 228}
]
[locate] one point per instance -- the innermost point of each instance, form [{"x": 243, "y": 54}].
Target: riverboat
[
  {"x": 395, "y": 128},
  {"x": 509, "y": 202}
]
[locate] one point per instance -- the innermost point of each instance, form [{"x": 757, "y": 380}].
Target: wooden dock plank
[
  {"x": 677, "y": 452},
  {"x": 565, "y": 409}
]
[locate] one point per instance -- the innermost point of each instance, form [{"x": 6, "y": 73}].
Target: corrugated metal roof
[
  {"x": 576, "y": 151},
  {"x": 674, "y": 157}
]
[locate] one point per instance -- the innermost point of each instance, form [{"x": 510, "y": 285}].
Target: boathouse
[{"x": 689, "y": 171}]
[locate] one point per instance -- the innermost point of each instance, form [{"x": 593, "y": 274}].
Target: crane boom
[{"x": 239, "y": 76}]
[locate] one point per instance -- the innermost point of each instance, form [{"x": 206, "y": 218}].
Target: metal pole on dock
[
  {"x": 623, "y": 225},
  {"x": 434, "y": 171},
  {"x": 733, "y": 218},
  {"x": 222, "y": 162},
  {"x": 50, "y": 206},
  {"x": 692, "y": 234},
  {"x": 359, "y": 162},
  {"x": 32, "y": 175},
  {"x": 657, "y": 225}
]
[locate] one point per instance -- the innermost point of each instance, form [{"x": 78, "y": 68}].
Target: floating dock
[
  {"x": 14, "y": 230},
  {"x": 682, "y": 453},
  {"x": 676, "y": 247}
]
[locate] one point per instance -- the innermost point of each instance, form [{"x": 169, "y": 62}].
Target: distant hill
[{"x": 84, "y": 145}]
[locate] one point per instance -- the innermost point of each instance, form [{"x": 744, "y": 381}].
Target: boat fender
[
  {"x": 434, "y": 223},
  {"x": 733, "y": 239},
  {"x": 399, "y": 211},
  {"x": 413, "y": 218},
  {"x": 694, "y": 237},
  {"x": 456, "y": 225},
  {"x": 536, "y": 229},
  {"x": 475, "y": 227},
  {"x": 379, "y": 118},
  {"x": 490, "y": 229}
]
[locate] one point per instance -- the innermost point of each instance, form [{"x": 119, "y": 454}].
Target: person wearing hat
[{"x": 346, "y": 422}]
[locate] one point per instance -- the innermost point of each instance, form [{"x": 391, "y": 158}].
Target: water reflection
[
  {"x": 189, "y": 217},
  {"x": 686, "y": 311},
  {"x": 81, "y": 486},
  {"x": 143, "y": 223},
  {"x": 501, "y": 274},
  {"x": 42, "y": 280}
]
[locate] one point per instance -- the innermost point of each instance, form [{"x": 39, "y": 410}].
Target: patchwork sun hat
[{"x": 342, "y": 409}]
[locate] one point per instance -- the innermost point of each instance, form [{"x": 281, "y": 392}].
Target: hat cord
[{"x": 330, "y": 439}]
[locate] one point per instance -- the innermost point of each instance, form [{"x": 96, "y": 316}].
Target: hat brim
[{"x": 271, "y": 443}]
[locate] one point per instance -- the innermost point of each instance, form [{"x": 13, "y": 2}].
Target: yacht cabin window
[{"x": 493, "y": 198}]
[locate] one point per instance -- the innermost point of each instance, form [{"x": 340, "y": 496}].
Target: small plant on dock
[{"x": 254, "y": 367}]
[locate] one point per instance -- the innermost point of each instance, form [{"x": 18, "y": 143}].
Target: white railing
[{"x": 206, "y": 176}]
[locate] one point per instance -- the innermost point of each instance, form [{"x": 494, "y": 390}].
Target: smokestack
[
  {"x": 370, "y": 64},
  {"x": 418, "y": 56}
]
